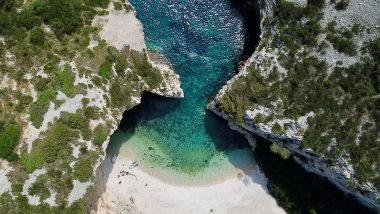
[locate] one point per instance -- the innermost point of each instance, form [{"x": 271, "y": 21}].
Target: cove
[
  {"x": 178, "y": 139},
  {"x": 203, "y": 40}
]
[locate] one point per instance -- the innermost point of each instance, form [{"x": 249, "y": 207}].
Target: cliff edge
[{"x": 312, "y": 88}]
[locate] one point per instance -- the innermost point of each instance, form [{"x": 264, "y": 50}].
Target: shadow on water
[
  {"x": 249, "y": 10},
  {"x": 295, "y": 189},
  {"x": 152, "y": 106},
  {"x": 298, "y": 191}
]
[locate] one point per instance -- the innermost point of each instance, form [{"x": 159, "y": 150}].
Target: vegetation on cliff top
[
  {"x": 45, "y": 62},
  {"x": 345, "y": 99}
]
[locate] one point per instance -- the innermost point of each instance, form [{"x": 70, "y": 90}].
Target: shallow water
[{"x": 203, "y": 40}]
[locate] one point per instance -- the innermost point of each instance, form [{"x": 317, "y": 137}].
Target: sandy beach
[{"x": 137, "y": 191}]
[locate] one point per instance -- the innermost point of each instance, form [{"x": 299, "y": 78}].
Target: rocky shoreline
[
  {"x": 337, "y": 175},
  {"x": 172, "y": 88}
]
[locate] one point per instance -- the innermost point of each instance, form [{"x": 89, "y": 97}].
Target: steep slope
[
  {"x": 69, "y": 69},
  {"x": 312, "y": 87}
]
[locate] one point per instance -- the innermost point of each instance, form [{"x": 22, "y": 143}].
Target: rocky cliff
[
  {"x": 268, "y": 65},
  {"x": 63, "y": 92}
]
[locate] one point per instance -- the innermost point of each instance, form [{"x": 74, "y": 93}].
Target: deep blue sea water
[{"x": 203, "y": 40}]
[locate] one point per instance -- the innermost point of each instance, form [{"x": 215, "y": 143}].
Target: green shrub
[
  {"x": 42, "y": 84},
  {"x": 16, "y": 188},
  {"x": 375, "y": 48},
  {"x": 9, "y": 139},
  {"x": 117, "y": 5},
  {"x": 342, "y": 45},
  {"x": 121, "y": 65},
  {"x": 92, "y": 112},
  {"x": 37, "y": 37},
  {"x": 24, "y": 101},
  {"x": 77, "y": 121},
  {"x": 55, "y": 146},
  {"x": 63, "y": 16},
  {"x": 66, "y": 79},
  {"x": 31, "y": 162},
  {"x": 348, "y": 34},
  {"x": 277, "y": 129},
  {"x": 120, "y": 94},
  {"x": 7, "y": 4},
  {"x": 331, "y": 26},
  {"x": 259, "y": 118},
  {"x": 83, "y": 168},
  {"x": 144, "y": 69},
  {"x": 26, "y": 18},
  {"x": 128, "y": 7},
  {"x": 100, "y": 135},
  {"x": 85, "y": 101},
  {"x": 38, "y": 188},
  {"x": 283, "y": 152},
  {"x": 40, "y": 107},
  {"x": 105, "y": 70},
  {"x": 97, "y": 81}
]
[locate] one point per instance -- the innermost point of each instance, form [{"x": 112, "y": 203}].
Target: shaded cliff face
[
  {"x": 251, "y": 13},
  {"x": 299, "y": 191}
]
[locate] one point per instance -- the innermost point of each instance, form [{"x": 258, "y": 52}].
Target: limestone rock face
[{"x": 342, "y": 172}]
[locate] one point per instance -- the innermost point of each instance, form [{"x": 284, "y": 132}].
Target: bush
[
  {"x": 105, "y": 70},
  {"x": 259, "y": 118},
  {"x": 283, "y": 152},
  {"x": 66, "y": 79},
  {"x": 7, "y": 4},
  {"x": 26, "y": 18},
  {"x": 100, "y": 135},
  {"x": 31, "y": 162},
  {"x": 375, "y": 48},
  {"x": 42, "y": 84},
  {"x": 38, "y": 109},
  {"x": 277, "y": 129},
  {"x": 9, "y": 139},
  {"x": 120, "y": 94},
  {"x": 24, "y": 101},
  {"x": 342, "y": 45},
  {"x": 77, "y": 121},
  {"x": 83, "y": 168},
  {"x": 16, "y": 188},
  {"x": 38, "y": 188},
  {"x": 37, "y": 37},
  {"x": 92, "y": 112},
  {"x": 63, "y": 16},
  {"x": 56, "y": 144},
  {"x": 117, "y": 5},
  {"x": 121, "y": 65}
]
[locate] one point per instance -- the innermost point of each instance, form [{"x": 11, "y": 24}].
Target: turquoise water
[{"x": 203, "y": 40}]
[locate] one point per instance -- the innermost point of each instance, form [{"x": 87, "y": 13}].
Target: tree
[
  {"x": 26, "y": 18},
  {"x": 37, "y": 37}
]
